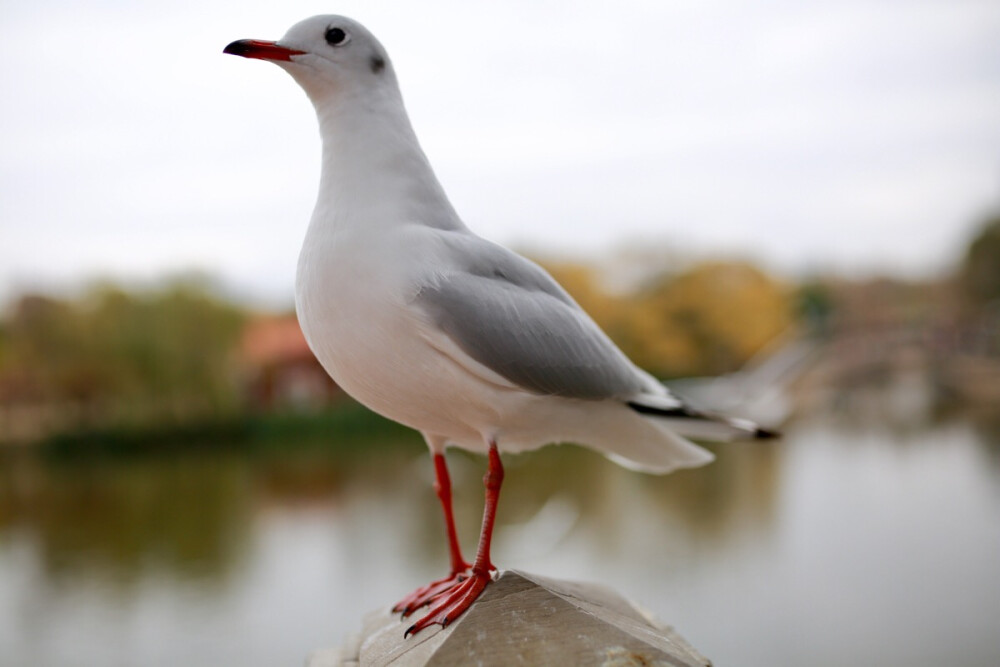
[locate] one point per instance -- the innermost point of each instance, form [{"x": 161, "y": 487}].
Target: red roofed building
[{"x": 281, "y": 369}]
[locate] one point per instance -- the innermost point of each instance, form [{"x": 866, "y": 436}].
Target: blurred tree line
[
  {"x": 127, "y": 356},
  {"x": 707, "y": 320},
  {"x": 176, "y": 353},
  {"x": 980, "y": 272},
  {"x": 179, "y": 352}
]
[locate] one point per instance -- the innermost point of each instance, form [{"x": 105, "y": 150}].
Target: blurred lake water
[{"x": 849, "y": 541}]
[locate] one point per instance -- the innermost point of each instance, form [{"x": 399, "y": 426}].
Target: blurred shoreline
[{"x": 178, "y": 362}]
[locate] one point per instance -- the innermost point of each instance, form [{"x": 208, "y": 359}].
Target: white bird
[{"x": 430, "y": 325}]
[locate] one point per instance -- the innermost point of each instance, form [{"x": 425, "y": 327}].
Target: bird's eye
[{"x": 336, "y": 37}]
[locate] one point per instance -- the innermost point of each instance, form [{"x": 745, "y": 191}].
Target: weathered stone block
[{"x": 522, "y": 619}]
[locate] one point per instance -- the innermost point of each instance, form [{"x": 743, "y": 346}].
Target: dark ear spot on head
[{"x": 377, "y": 63}]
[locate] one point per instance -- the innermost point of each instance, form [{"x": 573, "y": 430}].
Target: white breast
[{"x": 352, "y": 301}]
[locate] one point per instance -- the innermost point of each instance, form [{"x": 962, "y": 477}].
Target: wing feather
[{"x": 508, "y": 314}]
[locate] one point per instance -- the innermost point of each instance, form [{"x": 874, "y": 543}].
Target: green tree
[
  {"x": 118, "y": 354},
  {"x": 980, "y": 272}
]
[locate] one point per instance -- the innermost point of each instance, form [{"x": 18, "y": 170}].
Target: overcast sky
[{"x": 851, "y": 136}]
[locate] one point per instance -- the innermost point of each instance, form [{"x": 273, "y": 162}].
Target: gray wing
[{"x": 508, "y": 314}]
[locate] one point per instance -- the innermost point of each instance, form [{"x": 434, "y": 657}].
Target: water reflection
[
  {"x": 116, "y": 521},
  {"x": 838, "y": 523}
]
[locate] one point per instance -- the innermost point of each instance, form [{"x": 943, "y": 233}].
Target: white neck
[{"x": 374, "y": 171}]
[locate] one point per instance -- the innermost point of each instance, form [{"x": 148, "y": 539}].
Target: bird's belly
[
  {"x": 379, "y": 357},
  {"x": 376, "y": 354}
]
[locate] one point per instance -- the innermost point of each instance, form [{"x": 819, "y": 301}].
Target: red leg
[
  {"x": 459, "y": 567},
  {"x": 449, "y": 605},
  {"x": 443, "y": 488}
]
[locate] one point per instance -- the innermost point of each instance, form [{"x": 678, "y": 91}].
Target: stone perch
[{"x": 522, "y": 619}]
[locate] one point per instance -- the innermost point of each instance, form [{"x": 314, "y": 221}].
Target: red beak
[{"x": 261, "y": 49}]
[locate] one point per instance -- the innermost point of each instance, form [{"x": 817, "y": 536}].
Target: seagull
[{"x": 432, "y": 326}]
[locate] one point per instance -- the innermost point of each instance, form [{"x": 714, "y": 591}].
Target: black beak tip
[{"x": 237, "y": 48}]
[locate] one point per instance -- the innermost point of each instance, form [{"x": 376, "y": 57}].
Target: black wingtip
[
  {"x": 673, "y": 411},
  {"x": 745, "y": 428}
]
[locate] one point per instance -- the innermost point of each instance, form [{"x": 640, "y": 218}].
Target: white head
[
  {"x": 329, "y": 56},
  {"x": 371, "y": 157}
]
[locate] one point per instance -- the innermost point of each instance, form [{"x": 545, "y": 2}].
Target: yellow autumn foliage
[{"x": 707, "y": 320}]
